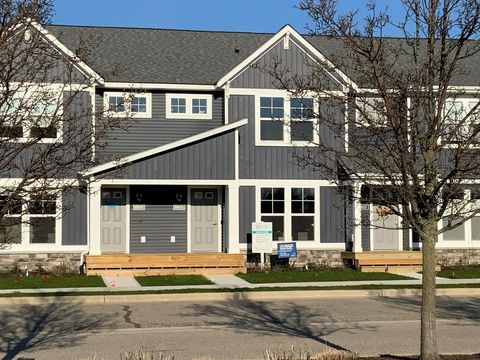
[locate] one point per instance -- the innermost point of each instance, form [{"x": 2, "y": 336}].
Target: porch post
[
  {"x": 357, "y": 218},
  {"x": 94, "y": 194},
  {"x": 233, "y": 218}
]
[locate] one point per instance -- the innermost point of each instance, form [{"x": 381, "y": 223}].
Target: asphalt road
[{"x": 232, "y": 329}]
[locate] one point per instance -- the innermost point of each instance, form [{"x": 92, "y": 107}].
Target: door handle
[{"x": 214, "y": 224}]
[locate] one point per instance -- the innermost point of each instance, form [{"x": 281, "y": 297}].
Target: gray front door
[
  {"x": 113, "y": 212},
  {"x": 204, "y": 221},
  {"x": 385, "y": 229}
]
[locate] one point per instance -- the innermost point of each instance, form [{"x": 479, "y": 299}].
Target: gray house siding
[
  {"x": 140, "y": 134},
  {"x": 332, "y": 215},
  {"x": 158, "y": 222},
  {"x": 212, "y": 158},
  {"x": 266, "y": 162},
  {"x": 295, "y": 61},
  {"x": 247, "y": 212},
  {"x": 365, "y": 221},
  {"x": 74, "y": 219}
]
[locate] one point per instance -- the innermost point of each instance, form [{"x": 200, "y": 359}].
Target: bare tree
[
  {"x": 47, "y": 132},
  {"x": 408, "y": 128}
]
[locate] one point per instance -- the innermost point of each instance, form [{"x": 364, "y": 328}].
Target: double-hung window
[
  {"x": 11, "y": 223},
  {"x": 301, "y": 119},
  {"x": 303, "y": 210},
  {"x": 137, "y": 105},
  {"x": 188, "y": 106},
  {"x": 272, "y": 205},
  {"x": 272, "y": 119},
  {"x": 457, "y": 127},
  {"x": 42, "y": 219}
]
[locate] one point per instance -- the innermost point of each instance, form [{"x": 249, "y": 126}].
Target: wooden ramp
[
  {"x": 382, "y": 261},
  {"x": 165, "y": 264}
]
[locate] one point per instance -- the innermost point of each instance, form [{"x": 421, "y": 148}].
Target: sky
[{"x": 223, "y": 15}]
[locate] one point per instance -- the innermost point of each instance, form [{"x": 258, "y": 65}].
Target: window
[
  {"x": 303, "y": 208},
  {"x": 32, "y": 114},
  {"x": 301, "y": 119},
  {"x": 272, "y": 206},
  {"x": 189, "y": 106},
  {"x": 129, "y": 104},
  {"x": 11, "y": 223},
  {"x": 271, "y": 118},
  {"x": 455, "y": 112},
  {"x": 371, "y": 112},
  {"x": 42, "y": 214}
]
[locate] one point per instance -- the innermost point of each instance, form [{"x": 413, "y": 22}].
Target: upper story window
[
  {"x": 271, "y": 118},
  {"x": 371, "y": 112},
  {"x": 32, "y": 114},
  {"x": 131, "y": 105},
  {"x": 456, "y": 125},
  {"x": 188, "y": 106},
  {"x": 286, "y": 121}
]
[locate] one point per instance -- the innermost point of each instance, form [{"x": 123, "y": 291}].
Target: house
[{"x": 205, "y": 155}]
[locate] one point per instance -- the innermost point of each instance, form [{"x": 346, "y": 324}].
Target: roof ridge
[{"x": 159, "y": 29}]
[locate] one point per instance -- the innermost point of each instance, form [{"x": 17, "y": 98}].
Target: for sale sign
[{"x": 262, "y": 237}]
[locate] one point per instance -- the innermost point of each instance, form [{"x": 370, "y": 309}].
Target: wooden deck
[
  {"x": 165, "y": 264},
  {"x": 381, "y": 261}
]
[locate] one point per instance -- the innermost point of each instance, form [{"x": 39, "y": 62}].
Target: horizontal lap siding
[
  {"x": 332, "y": 215},
  {"x": 247, "y": 212},
  {"x": 147, "y": 133},
  {"x": 212, "y": 158},
  {"x": 265, "y": 162},
  {"x": 74, "y": 219},
  {"x": 158, "y": 222}
]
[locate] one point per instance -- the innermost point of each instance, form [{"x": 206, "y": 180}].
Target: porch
[
  {"x": 383, "y": 261},
  {"x": 164, "y": 264}
]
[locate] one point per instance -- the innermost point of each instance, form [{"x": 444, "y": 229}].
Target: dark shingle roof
[
  {"x": 199, "y": 57},
  {"x": 161, "y": 56}
]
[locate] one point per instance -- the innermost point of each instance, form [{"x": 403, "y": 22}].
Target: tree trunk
[{"x": 428, "y": 347}]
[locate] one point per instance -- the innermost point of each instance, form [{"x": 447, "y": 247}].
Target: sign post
[{"x": 262, "y": 240}]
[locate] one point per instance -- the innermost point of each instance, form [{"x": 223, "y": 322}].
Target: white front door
[
  {"x": 114, "y": 217},
  {"x": 385, "y": 229},
  {"x": 204, "y": 220}
]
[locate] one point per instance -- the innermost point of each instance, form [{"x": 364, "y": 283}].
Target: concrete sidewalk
[{"x": 129, "y": 283}]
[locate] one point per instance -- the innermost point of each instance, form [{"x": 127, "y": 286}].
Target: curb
[{"x": 231, "y": 296}]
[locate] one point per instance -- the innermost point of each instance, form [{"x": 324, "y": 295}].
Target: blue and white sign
[
  {"x": 286, "y": 250},
  {"x": 262, "y": 237}
]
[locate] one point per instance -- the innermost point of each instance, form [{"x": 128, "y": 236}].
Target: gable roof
[
  {"x": 163, "y": 148},
  {"x": 159, "y": 56}
]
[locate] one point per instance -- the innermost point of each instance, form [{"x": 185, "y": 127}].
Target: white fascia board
[
  {"x": 70, "y": 54},
  {"x": 149, "y": 86},
  {"x": 287, "y": 30},
  {"x": 159, "y": 149}
]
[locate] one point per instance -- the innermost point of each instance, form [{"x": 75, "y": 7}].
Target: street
[{"x": 232, "y": 329}]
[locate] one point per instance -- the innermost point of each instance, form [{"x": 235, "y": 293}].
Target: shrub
[
  {"x": 64, "y": 269},
  {"x": 16, "y": 270},
  {"x": 307, "y": 355},
  {"x": 145, "y": 355}
]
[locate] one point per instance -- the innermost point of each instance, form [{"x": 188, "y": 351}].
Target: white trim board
[{"x": 159, "y": 149}]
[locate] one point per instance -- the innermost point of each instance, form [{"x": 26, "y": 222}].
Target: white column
[
  {"x": 233, "y": 216},
  {"x": 95, "y": 218},
  {"x": 357, "y": 218}
]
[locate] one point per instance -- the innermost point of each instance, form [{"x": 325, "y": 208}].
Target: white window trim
[
  {"x": 25, "y": 244},
  {"x": 188, "y": 103},
  {"x": 58, "y": 93},
  {"x": 286, "y": 124},
  {"x": 465, "y": 104},
  {"x": 128, "y": 105},
  {"x": 287, "y": 214}
]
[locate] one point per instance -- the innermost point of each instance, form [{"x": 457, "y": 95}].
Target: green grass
[
  {"x": 49, "y": 281},
  {"x": 321, "y": 275},
  {"x": 460, "y": 272},
  {"x": 172, "y": 280},
  {"x": 239, "y": 290}
]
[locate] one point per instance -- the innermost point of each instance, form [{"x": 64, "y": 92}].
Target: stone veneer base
[{"x": 48, "y": 261}]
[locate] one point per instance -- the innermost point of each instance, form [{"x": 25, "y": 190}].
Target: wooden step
[{"x": 162, "y": 264}]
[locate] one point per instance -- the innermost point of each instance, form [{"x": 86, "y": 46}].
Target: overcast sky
[{"x": 229, "y": 15}]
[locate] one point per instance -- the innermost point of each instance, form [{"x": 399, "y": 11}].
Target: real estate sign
[
  {"x": 286, "y": 250},
  {"x": 262, "y": 237}
]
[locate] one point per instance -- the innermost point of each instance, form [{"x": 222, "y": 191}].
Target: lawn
[
  {"x": 8, "y": 281},
  {"x": 320, "y": 275},
  {"x": 172, "y": 280},
  {"x": 460, "y": 272}
]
